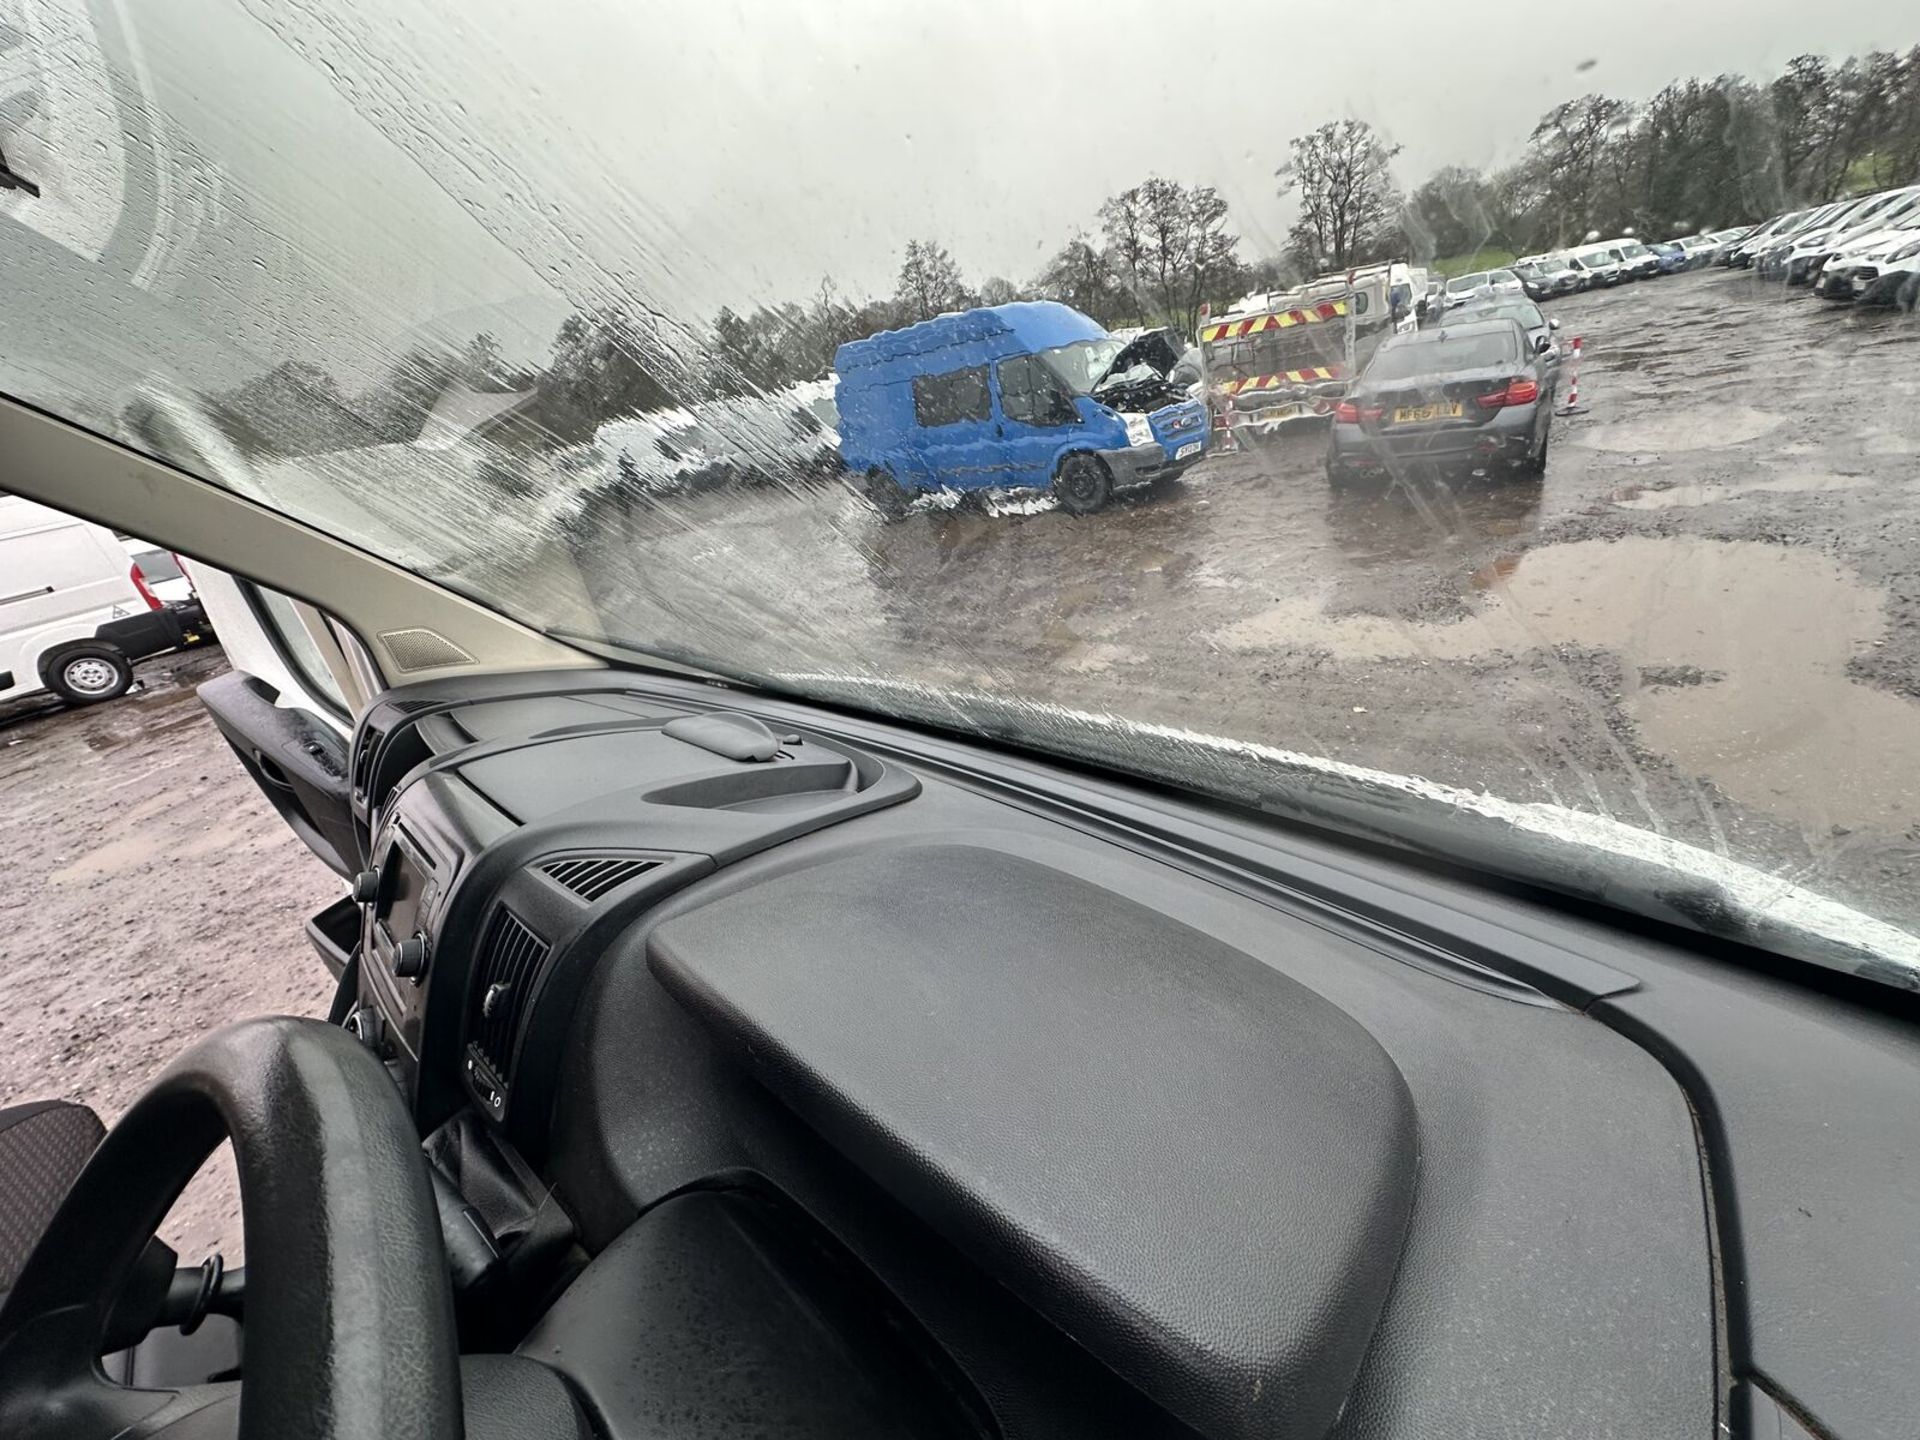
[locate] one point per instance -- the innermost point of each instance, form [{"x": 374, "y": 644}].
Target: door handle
[{"x": 272, "y": 773}]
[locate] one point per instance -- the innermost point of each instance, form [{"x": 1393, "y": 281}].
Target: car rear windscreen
[{"x": 1441, "y": 356}]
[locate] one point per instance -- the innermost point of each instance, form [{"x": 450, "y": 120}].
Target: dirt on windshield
[
  {"x": 153, "y": 895},
  {"x": 1704, "y": 621}
]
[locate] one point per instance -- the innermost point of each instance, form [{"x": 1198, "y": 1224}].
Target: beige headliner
[{"x": 58, "y": 464}]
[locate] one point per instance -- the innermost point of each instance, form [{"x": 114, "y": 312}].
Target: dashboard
[
  {"x": 1006, "y": 1100},
  {"x": 513, "y": 834}
]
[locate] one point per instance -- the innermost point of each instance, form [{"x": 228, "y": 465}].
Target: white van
[{"x": 75, "y": 612}]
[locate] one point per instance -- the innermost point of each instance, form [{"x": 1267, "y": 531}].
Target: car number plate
[
  {"x": 1414, "y": 414},
  {"x": 1192, "y": 447}
]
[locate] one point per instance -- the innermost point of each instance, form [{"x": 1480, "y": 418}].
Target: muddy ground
[
  {"x": 1703, "y": 621},
  {"x": 152, "y": 895}
]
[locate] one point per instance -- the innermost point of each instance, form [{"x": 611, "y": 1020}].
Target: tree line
[{"x": 1699, "y": 154}]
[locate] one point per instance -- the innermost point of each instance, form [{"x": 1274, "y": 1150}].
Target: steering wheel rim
[{"x": 350, "y": 1328}]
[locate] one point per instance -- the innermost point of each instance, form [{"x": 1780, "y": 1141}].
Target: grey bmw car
[{"x": 1474, "y": 394}]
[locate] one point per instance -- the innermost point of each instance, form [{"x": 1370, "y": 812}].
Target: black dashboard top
[
  {"x": 1155, "y": 1120},
  {"x": 1197, "y": 1166}
]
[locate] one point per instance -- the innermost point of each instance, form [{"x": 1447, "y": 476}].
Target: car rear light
[
  {"x": 1516, "y": 392},
  {"x": 1372, "y": 412},
  {"x": 1346, "y": 413},
  {"x": 140, "y": 584}
]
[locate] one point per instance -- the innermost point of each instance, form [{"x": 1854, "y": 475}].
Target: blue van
[{"x": 1029, "y": 395}]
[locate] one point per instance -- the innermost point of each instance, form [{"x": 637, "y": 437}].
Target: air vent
[
  {"x": 510, "y": 959},
  {"x": 591, "y": 876},
  {"x": 408, "y": 707}
]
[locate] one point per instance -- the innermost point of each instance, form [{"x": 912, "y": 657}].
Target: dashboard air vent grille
[
  {"x": 591, "y": 876},
  {"x": 510, "y": 959}
]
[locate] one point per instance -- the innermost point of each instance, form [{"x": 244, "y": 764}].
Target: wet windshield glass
[
  {"x": 1527, "y": 313},
  {"x": 1082, "y": 363},
  {"x": 530, "y": 300},
  {"x": 1467, "y": 352}
]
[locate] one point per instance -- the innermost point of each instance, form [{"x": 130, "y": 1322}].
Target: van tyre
[
  {"x": 88, "y": 674},
  {"x": 1082, "y": 485},
  {"x": 883, "y": 492}
]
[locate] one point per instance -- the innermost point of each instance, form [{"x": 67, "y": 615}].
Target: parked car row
[
  {"x": 1864, "y": 249},
  {"x": 754, "y": 439},
  {"x": 1601, "y": 264}
]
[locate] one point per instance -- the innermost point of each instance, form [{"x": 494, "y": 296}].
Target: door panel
[
  {"x": 1035, "y": 413},
  {"x": 298, "y": 760}
]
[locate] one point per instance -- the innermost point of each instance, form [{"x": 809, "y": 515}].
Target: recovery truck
[{"x": 1280, "y": 356}]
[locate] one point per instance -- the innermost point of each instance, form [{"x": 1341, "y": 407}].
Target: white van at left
[{"x": 74, "y": 612}]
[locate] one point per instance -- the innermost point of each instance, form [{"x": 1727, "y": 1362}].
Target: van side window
[
  {"x": 1030, "y": 394},
  {"x": 952, "y": 397}
]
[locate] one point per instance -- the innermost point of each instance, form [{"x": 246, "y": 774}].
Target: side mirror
[{"x": 1554, "y": 324}]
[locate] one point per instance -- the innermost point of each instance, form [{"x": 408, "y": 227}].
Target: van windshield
[{"x": 1082, "y": 363}]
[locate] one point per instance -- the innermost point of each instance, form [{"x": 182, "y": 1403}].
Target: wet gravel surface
[
  {"x": 152, "y": 895},
  {"x": 1704, "y": 620}
]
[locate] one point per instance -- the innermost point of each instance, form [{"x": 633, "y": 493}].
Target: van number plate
[
  {"x": 1414, "y": 414},
  {"x": 1192, "y": 447}
]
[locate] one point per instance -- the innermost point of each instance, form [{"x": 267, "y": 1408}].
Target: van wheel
[
  {"x": 88, "y": 674},
  {"x": 1082, "y": 484},
  {"x": 883, "y": 492}
]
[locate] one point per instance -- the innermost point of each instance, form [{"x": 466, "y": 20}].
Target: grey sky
[
  {"x": 386, "y": 165},
  {"x": 797, "y": 140}
]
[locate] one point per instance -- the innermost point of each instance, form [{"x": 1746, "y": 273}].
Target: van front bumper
[{"x": 1135, "y": 465}]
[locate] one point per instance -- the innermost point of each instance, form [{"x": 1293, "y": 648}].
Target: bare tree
[
  {"x": 1570, "y": 140},
  {"x": 1448, "y": 214},
  {"x": 1168, "y": 246},
  {"x": 1080, "y": 275},
  {"x": 1348, "y": 202},
  {"x": 929, "y": 283}
]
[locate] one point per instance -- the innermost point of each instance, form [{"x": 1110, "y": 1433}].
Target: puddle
[
  {"x": 109, "y": 859},
  {"x": 1717, "y": 427},
  {"x": 1888, "y": 444},
  {"x": 1772, "y": 719},
  {"x": 1635, "y": 497}
]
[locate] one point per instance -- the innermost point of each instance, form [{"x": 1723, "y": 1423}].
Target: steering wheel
[{"x": 349, "y": 1329}]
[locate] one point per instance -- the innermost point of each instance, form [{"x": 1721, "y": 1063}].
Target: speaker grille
[{"x": 422, "y": 649}]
